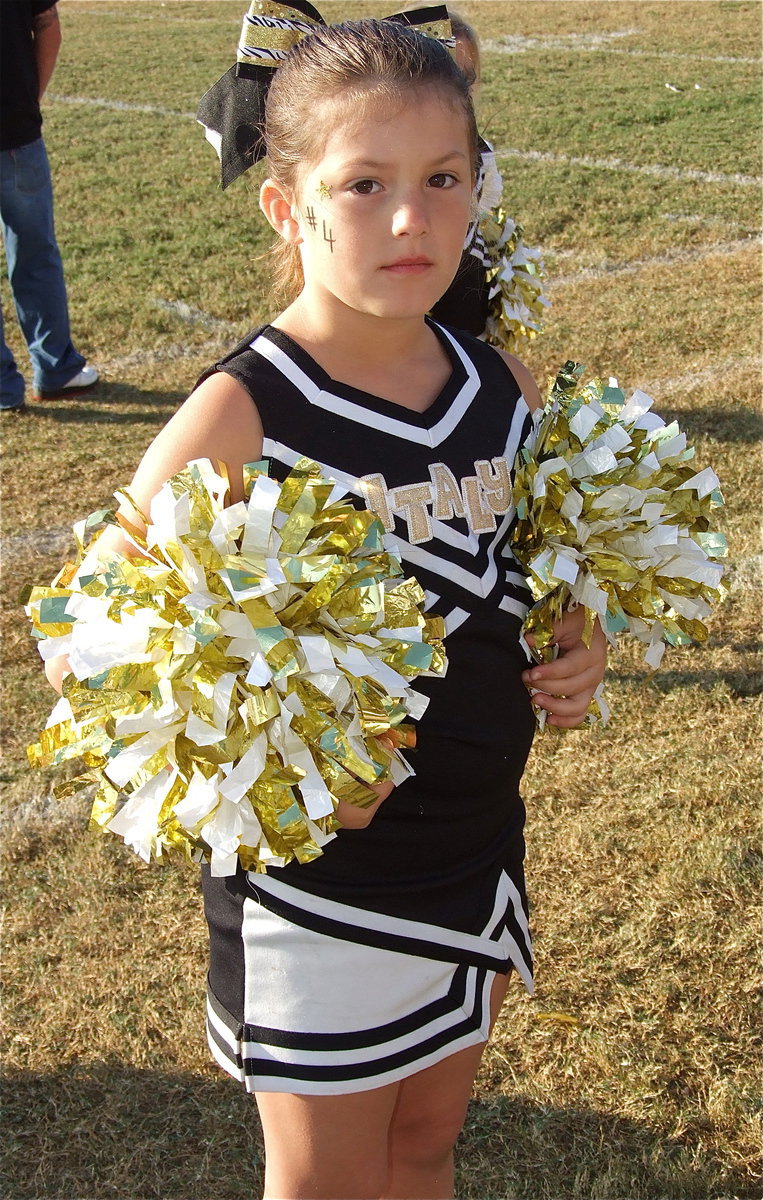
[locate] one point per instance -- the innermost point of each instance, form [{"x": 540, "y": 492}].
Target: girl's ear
[{"x": 279, "y": 207}]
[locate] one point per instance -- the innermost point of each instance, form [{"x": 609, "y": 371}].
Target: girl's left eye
[{"x": 443, "y": 179}]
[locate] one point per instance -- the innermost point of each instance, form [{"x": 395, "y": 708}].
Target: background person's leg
[
  {"x": 11, "y": 379},
  {"x": 34, "y": 263}
]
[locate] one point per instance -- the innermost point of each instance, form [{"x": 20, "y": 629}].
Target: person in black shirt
[{"x": 30, "y": 37}]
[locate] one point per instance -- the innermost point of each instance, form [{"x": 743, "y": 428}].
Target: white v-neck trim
[{"x": 397, "y": 427}]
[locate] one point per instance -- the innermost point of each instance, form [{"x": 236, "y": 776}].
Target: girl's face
[{"x": 384, "y": 212}]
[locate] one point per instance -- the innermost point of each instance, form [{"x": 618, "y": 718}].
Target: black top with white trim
[{"x": 442, "y": 481}]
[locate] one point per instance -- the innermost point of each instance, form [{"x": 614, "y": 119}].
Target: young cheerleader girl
[{"x": 353, "y": 995}]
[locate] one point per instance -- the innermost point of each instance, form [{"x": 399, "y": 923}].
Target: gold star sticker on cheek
[{"x": 324, "y": 190}]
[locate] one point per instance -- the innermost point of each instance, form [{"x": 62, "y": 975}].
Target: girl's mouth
[{"x": 416, "y": 265}]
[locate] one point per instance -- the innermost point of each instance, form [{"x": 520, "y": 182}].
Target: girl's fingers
[
  {"x": 578, "y": 668},
  {"x": 564, "y": 712},
  {"x": 382, "y": 789},
  {"x": 565, "y": 687},
  {"x": 568, "y": 679},
  {"x": 352, "y": 817}
]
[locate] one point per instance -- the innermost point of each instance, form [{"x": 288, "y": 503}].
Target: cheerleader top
[{"x": 441, "y": 483}]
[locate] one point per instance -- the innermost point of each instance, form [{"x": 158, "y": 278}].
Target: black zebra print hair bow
[{"x": 233, "y": 109}]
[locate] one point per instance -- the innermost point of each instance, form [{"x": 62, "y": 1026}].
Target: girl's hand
[
  {"x": 352, "y": 817},
  {"x": 567, "y": 684},
  {"x": 55, "y": 669}
]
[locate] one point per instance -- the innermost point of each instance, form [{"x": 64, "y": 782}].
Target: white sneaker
[{"x": 87, "y": 378}]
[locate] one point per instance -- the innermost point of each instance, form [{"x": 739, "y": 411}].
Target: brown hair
[
  {"x": 464, "y": 32},
  {"x": 352, "y": 59}
]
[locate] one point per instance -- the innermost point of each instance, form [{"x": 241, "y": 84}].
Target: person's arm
[
  {"x": 46, "y": 30},
  {"x": 524, "y": 377},
  {"x": 218, "y": 421}
]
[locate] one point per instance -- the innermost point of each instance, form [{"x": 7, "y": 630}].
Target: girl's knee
[
  {"x": 426, "y": 1138},
  {"x": 325, "y": 1181},
  {"x": 326, "y": 1147}
]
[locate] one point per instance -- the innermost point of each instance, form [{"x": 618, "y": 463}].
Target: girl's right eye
[{"x": 365, "y": 187}]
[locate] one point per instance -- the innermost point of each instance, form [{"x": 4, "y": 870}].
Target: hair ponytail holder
[
  {"x": 433, "y": 21},
  {"x": 233, "y": 110}
]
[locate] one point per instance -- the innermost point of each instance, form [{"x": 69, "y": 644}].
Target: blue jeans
[{"x": 36, "y": 275}]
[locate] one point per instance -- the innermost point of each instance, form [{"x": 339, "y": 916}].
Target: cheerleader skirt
[{"x": 316, "y": 997}]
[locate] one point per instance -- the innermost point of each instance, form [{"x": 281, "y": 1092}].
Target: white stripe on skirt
[{"x": 327, "y": 1014}]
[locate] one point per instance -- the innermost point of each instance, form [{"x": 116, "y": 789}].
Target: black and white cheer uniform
[{"x": 376, "y": 960}]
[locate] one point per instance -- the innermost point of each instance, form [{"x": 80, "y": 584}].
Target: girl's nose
[{"x": 410, "y": 217}]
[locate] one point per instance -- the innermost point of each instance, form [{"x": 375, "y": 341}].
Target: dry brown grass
[{"x": 633, "y": 1075}]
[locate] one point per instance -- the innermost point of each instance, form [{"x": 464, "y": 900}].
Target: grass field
[{"x": 633, "y": 1074}]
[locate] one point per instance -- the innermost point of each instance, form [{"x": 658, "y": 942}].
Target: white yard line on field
[
  {"x": 37, "y": 542},
  {"x": 228, "y": 332},
  {"x": 692, "y": 379},
  {"x": 618, "y": 164},
  {"x": 563, "y": 160},
  {"x": 112, "y": 367},
  {"x": 119, "y": 105},
  {"x": 194, "y": 316},
  {"x": 581, "y": 43},
  {"x": 600, "y": 43},
  {"x": 611, "y": 270},
  {"x": 519, "y": 43}
]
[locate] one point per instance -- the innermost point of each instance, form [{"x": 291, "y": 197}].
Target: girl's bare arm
[{"x": 218, "y": 421}]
